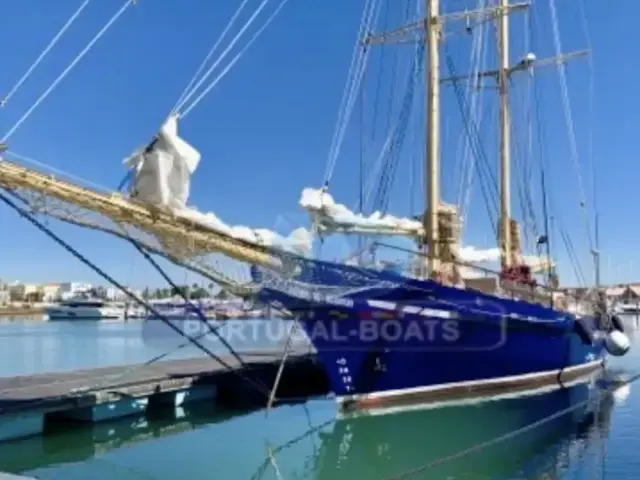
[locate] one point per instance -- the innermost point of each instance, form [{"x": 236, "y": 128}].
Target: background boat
[{"x": 84, "y": 308}]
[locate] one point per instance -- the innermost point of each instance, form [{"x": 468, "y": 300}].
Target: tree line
[{"x": 192, "y": 292}]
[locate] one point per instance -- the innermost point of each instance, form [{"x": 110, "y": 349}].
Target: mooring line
[
  {"x": 197, "y": 310},
  {"x": 276, "y": 382},
  {"x": 604, "y": 391},
  {"x": 107, "y": 380},
  {"x": 40, "y": 226},
  {"x": 261, "y": 470},
  {"x": 272, "y": 461}
]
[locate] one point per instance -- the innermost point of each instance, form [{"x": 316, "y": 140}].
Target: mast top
[
  {"x": 481, "y": 15},
  {"x": 431, "y": 27}
]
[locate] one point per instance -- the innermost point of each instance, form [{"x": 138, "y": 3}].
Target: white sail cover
[
  {"x": 329, "y": 216},
  {"x": 162, "y": 171},
  {"x": 162, "y": 176}
]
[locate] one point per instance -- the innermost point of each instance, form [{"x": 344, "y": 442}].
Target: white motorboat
[
  {"x": 629, "y": 308},
  {"x": 85, "y": 309}
]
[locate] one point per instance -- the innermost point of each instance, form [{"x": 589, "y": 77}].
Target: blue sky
[{"x": 265, "y": 130}]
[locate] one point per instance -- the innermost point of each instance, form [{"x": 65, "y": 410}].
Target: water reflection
[
  {"x": 61, "y": 445},
  {"x": 383, "y": 446},
  {"x": 197, "y": 441}
]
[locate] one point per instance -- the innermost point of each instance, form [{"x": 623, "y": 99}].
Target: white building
[
  {"x": 19, "y": 291},
  {"x": 50, "y": 292},
  {"x": 5, "y": 296},
  {"x": 112, "y": 293},
  {"x": 115, "y": 294},
  {"x": 69, "y": 290}
]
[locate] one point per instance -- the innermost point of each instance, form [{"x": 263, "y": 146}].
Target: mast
[
  {"x": 505, "y": 136},
  {"x": 432, "y": 26},
  {"x": 432, "y": 35}
]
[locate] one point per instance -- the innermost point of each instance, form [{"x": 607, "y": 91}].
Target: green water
[{"x": 307, "y": 442}]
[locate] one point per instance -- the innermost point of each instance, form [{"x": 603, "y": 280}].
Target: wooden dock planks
[{"x": 58, "y": 391}]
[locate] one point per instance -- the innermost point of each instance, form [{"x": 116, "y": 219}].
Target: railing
[{"x": 539, "y": 293}]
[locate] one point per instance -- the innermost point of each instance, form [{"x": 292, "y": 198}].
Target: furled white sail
[
  {"x": 162, "y": 170},
  {"x": 162, "y": 176},
  {"x": 331, "y": 217}
]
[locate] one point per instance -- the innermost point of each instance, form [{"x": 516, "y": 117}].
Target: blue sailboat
[
  {"x": 406, "y": 340},
  {"x": 387, "y": 338}
]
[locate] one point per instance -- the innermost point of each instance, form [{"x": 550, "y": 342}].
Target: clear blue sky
[{"x": 264, "y": 131}]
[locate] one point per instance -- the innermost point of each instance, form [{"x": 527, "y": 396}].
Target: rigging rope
[
  {"x": 523, "y": 180},
  {"x": 577, "y": 269},
  {"x": 569, "y": 120},
  {"x": 377, "y": 165},
  {"x": 356, "y": 70},
  {"x": 415, "y": 157},
  {"x": 64, "y": 73},
  {"x": 208, "y": 73},
  {"x": 475, "y": 144},
  {"x": 387, "y": 177},
  {"x": 44, "y": 53},
  {"x": 361, "y": 165},
  {"x": 414, "y": 162},
  {"x": 389, "y": 156},
  {"x": 383, "y": 50},
  {"x": 529, "y": 156},
  {"x": 548, "y": 204},
  {"x": 527, "y": 172},
  {"x": 542, "y": 155},
  {"x": 209, "y": 55},
  {"x": 477, "y": 61},
  {"x": 24, "y": 158},
  {"x": 585, "y": 27},
  {"x": 545, "y": 216},
  {"x": 234, "y": 60},
  {"x": 394, "y": 73},
  {"x": 193, "y": 340},
  {"x": 193, "y": 307}
]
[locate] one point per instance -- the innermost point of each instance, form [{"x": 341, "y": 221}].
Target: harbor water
[{"x": 597, "y": 439}]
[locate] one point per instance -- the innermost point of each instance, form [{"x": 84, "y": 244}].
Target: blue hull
[
  {"x": 383, "y": 334},
  {"x": 366, "y": 350},
  {"x": 395, "y": 369}
]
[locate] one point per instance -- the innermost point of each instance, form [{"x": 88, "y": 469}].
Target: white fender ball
[{"x": 617, "y": 343}]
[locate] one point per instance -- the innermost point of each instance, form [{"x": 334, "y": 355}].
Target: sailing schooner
[
  {"x": 386, "y": 338},
  {"x": 381, "y": 335}
]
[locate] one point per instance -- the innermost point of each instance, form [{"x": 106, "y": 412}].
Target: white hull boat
[{"x": 85, "y": 310}]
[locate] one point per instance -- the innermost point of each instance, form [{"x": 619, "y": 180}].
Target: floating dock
[{"x": 28, "y": 403}]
